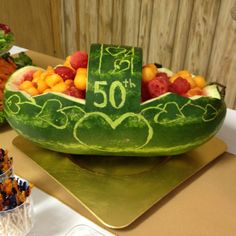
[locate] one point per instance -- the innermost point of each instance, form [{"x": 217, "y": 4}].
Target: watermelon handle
[{"x": 114, "y": 79}]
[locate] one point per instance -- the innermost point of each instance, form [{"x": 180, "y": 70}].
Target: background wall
[{"x": 198, "y": 35}]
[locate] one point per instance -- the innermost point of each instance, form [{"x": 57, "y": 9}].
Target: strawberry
[
  {"x": 79, "y": 60},
  {"x": 65, "y": 72}
]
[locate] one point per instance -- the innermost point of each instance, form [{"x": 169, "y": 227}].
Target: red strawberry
[
  {"x": 180, "y": 86},
  {"x": 5, "y": 28},
  {"x": 65, "y": 72},
  {"x": 79, "y": 60},
  {"x": 158, "y": 86}
]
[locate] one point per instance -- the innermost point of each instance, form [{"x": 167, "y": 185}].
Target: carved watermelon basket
[{"x": 112, "y": 120}]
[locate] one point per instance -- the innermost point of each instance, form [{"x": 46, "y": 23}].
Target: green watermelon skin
[
  {"x": 60, "y": 124},
  {"x": 181, "y": 124},
  {"x": 167, "y": 125},
  {"x": 2, "y": 118}
]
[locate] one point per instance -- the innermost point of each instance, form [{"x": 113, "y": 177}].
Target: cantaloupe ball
[
  {"x": 195, "y": 91},
  {"x": 46, "y": 73},
  {"x": 69, "y": 81},
  {"x": 184, "y": 74},
  {"x": 50, "y": 70},
  {"x": 191, "y": 81},
  {"x": 53, "y": 79},
  {"x": 60, "y": 87},
  {"x": 47, "y": 90},
  {"x": 200, "y": 81},
  {"x": 43, "y": 75},
  {"x": 26, "y": 84},
  {"x": 41, "y": 86},
  {"x": 35, "y": 80},
  {"x": 37, "y": 73},
  {"x": 80, "y": 80},
  {"x": 149, "y": 72},
  {"x": 32, "y": 91}
]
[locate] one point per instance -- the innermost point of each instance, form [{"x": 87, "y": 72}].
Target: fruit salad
[
  {"x": 158, "y": 81},
  {"x": 71, "y": 78}
]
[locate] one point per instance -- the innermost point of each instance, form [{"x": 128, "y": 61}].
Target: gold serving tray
[{"x": 116, "y": 190}]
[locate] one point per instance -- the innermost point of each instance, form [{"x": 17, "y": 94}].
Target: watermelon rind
[
  {"x": 2, "y": 118},
  {"x": 166, "y": 125}
]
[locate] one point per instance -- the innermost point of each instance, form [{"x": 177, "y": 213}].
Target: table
[{"x": 205, "y": 205}]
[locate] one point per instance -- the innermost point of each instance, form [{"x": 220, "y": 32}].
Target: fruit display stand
[
  {"x": 80, "y": 178},
  {"x": 118, "y": 190}
]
